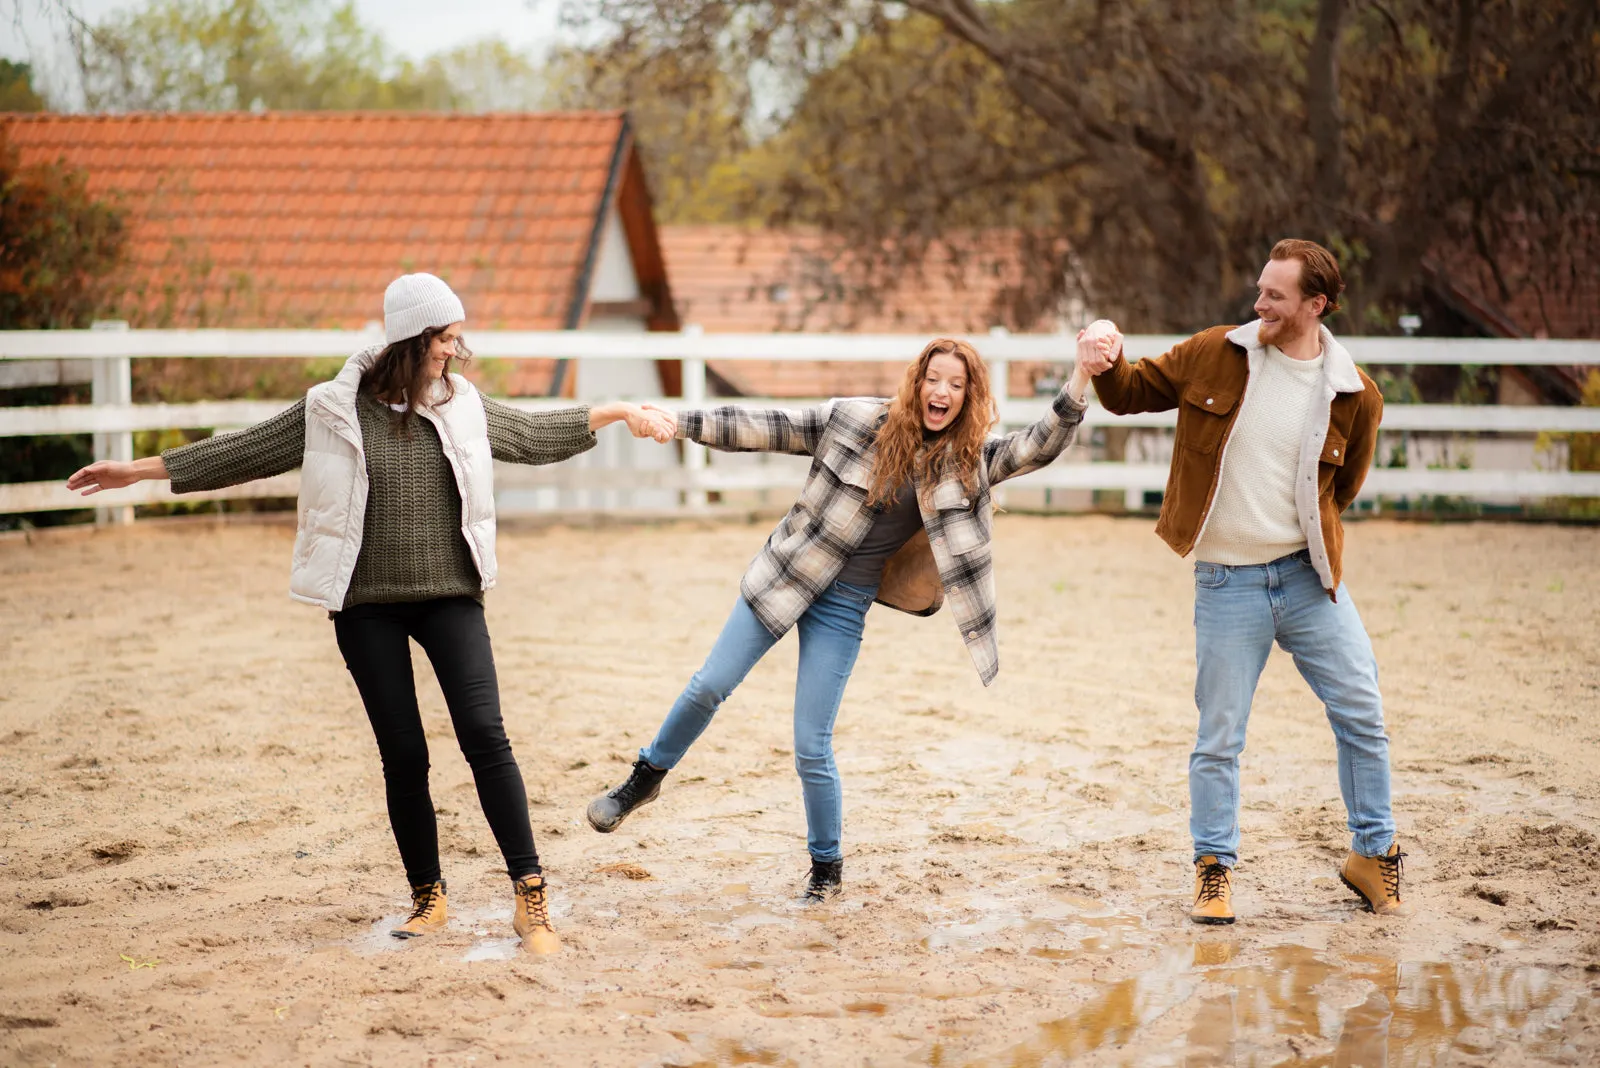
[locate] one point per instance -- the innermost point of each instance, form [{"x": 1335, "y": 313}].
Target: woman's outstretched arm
[
  {"x": 548, "y": 437},
  {"x": 735, "y": 429},
  {"x": 1034, "y": 446},
  {"x": 269, "y": 448}
]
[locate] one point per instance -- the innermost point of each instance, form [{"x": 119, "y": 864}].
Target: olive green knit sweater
[{"x": 412, "y": 548}]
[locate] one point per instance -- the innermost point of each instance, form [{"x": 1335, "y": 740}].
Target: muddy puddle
[
  {"x": 489, "y": 931},
  {"x": 1199, "y": 1007}
]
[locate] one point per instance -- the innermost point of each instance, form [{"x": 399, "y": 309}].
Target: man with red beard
[{"x": 1276, "y": 430}]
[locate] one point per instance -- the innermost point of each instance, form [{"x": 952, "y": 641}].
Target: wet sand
[{"x": 195, "y": 865}]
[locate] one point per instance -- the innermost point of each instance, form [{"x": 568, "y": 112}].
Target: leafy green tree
[
  {"x": 16, "y": 88},
  {"x": 208, "y": 55},
  {"x": 689, "y": 116}
]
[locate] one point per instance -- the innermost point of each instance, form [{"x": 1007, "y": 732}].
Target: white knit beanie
[{"x": 414, "y": 302}]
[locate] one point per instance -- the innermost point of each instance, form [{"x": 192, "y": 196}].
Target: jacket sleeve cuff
[
  {"x": 1066, "y": 407},
  {"x": 691, "y": 424},
  {"x": 183, "y": 468}
]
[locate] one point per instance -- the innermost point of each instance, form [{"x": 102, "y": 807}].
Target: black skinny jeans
[{"x": 454, "y": 634}]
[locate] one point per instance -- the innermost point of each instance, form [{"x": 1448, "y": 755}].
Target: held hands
[
  {"x": 648, "y": 421},
  {"x": 1099, "y": 346},
  {"x": 644, "y": 420}
]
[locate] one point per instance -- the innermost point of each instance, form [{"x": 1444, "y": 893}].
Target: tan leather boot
[
  {"x": 428, "y": 911},
  {"x": 1213, "y": 892},
  {"x": 1375, "y": 879},
  {"x": 530, "y": 917}
]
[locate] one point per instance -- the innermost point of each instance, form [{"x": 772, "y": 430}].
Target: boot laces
[
  {"x": 422, "y": 899},
  {"x": 1213, "y": 882},
  {"x": 824, "y": 881},
  {"x": 1390, "y": 868},
  {"x": 531, "y": 891},
  {"x": 630, "y": 792}
]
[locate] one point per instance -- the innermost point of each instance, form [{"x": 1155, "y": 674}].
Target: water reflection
[{"x": 1356, "y": 1012}]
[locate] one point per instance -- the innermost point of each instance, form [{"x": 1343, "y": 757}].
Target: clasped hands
[
  {"x": 1099, "y": 346},
  {"x": 644, "y": 420}
]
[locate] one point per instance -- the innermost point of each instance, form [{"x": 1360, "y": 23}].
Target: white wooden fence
[{"x": 112, "y": 417}]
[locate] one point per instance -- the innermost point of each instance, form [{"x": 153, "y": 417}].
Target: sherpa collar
[{"x": 1338, "y": 365}]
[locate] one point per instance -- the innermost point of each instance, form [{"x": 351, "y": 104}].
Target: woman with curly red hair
[{"x": 895, "y": 509}]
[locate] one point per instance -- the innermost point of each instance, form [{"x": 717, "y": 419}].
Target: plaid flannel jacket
[{"x": 950, "y": 559}]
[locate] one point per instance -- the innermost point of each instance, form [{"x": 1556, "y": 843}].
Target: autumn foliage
[{"x": 59, "y": 245}]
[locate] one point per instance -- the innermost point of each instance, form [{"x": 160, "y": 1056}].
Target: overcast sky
[{"x": 32, "y": 30}]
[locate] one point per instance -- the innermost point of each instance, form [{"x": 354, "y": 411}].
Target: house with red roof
[{"x": 286, "y": 219}]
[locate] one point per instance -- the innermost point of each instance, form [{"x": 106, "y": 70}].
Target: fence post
[
  {"x": 694, "y": 396},
  {"x": 112, "y": 383}
]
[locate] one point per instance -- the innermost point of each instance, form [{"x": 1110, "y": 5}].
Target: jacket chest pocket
[
  {"x": 963, "y": 518},
  {"x": 1203, "y": 416},
  {"x": 838, "y": 475}
]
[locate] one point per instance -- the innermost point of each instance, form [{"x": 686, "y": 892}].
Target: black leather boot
[
  {"x": 643, "y": 786},
  {"x": 827, "y": 881}
]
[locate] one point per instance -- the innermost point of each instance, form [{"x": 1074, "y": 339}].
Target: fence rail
[{"x": 107, "y": 357}]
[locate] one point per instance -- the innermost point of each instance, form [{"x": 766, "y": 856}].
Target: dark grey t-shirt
[{"x": 894, "y": 526}]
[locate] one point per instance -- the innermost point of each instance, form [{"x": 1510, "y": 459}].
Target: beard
[{"x": 1285, "y": 331}]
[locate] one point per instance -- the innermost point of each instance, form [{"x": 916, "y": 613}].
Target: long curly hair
[
  {"x": 401, "y": 371},
  {"x": 903, "y": 451}
]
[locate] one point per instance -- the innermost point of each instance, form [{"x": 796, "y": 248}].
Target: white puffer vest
[{"x": 333, "y": 483}]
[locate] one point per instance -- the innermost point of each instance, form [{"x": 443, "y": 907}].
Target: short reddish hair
[{"x": 1319, "y": 271}]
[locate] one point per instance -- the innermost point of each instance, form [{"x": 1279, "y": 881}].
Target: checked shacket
[
  {"x": 412, "y": 547},
  {"x": 950, "y": 561}
]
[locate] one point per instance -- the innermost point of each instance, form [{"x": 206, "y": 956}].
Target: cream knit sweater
[{"x": 1253, "y": 519}]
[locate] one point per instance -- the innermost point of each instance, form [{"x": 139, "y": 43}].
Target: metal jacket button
[{"x": 1208, "y": 400}]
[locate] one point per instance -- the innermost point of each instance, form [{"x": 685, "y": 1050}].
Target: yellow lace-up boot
[
  {"x": 1213, "y": 892},
  {"x": 428, "y": 911},
  {"x": 530, "y": 917},
  {"x": 1375, "y": 879}
]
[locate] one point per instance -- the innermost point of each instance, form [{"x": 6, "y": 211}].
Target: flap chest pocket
[
  {"x": 851, "y": 468},
  {"x": 963, "y": 524},
  {"x": 838, "y": 477},
  {"x": 1333, "y": 449},
  {"x": 1203, "y": 416},
  {"x": 950, "y": 494}
]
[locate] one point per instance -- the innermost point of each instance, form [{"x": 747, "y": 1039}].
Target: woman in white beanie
[{"x": 396, "y": 539}]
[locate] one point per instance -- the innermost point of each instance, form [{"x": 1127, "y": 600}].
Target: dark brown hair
[
  {"x": 1319, "y": 271},
  {"x": 902, "y": 450},
  {"x": 401, "y": 372}
]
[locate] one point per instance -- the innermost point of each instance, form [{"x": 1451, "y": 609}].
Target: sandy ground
[{"x": 195, "y": 864}]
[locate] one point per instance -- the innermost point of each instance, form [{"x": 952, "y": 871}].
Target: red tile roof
[
  {"x": 731, "y": 279},
  {"x": 302, "y": 219}
]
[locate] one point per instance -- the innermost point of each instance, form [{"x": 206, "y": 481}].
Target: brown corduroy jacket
[{"x": 1205, "y": 378}]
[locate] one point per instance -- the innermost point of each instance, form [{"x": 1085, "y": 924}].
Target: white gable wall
[{"x": 613, "y": 279}]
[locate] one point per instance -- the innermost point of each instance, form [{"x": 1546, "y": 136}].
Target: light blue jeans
[
  {"x": 1238, "y": 613},
  {"x": 830, "y": 637}
]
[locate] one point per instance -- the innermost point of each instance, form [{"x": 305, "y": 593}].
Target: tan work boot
[
  {"x": 1375, "y": 879},
  {"x": 1213, "y": 892},
  {"x": 530, "y": 917},
  {"x": 428, "y": 911}
]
